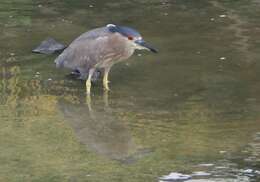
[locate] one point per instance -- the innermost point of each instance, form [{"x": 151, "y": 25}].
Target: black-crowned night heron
[{"x": 101, "y": 48}]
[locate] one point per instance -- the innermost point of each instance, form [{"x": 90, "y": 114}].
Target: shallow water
[{"x": 192, "y": 107}]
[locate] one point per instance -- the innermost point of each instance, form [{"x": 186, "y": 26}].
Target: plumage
[
  {"x": 97, "y": 48},
  {"x": 100, "y": 48}
]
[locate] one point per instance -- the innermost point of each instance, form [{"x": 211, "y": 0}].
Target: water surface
[{"x": 192, "y": 107}]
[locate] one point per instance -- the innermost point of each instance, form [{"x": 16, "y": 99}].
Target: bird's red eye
[{"x": 130, "y": 38}]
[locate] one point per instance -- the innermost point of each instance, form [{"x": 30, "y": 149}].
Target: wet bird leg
[
  {"x": 105, "y": 79},
  {"x": 88, "y": 81}
]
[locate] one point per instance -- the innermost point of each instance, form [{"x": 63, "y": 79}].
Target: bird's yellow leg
[
  {"x": 88, "y": 81},
  {"x": 88, "y": 86},
  {"x": 105, "y": 79}
]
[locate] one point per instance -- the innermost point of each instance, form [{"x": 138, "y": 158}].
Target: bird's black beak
[{"x": 145, "y": 45}]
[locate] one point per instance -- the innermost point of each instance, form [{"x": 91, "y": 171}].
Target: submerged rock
[
  {"x": 49, "y": 46},
  {"x": 76, "y": 75},
  {"x": 175, "y": 177}
]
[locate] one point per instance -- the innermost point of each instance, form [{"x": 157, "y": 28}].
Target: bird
[{"x": 99, "y": 49}]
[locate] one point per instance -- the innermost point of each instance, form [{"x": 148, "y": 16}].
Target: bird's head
[{"x": 132, "y": 36}]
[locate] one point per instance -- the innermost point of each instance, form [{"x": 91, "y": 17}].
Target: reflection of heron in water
[{"x": 100, "y": 130}]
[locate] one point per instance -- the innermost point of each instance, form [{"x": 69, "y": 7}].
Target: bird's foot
[{"x": 106, "y": 87}]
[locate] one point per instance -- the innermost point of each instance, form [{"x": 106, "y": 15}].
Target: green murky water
[{"x": 193, "y": 107}]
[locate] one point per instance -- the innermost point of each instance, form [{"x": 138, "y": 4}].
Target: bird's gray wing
[{"x": 85, "y": 51}]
